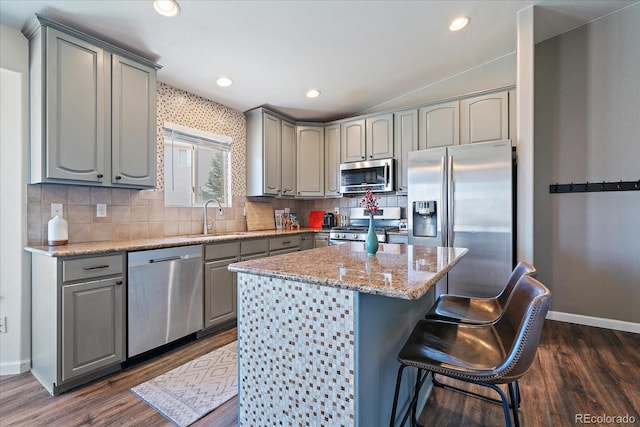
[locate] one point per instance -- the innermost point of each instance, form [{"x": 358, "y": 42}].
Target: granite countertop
[
  {"x": 397, "y": 271},
  {"x": 156, "y": 243}
]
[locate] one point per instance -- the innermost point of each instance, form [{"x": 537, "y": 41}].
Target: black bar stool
[
  {"x": 487, "y": 355},
  {"x": 462, "y": 309}
]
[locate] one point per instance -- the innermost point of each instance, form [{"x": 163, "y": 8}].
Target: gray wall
[{"x": 587, "y": 128}]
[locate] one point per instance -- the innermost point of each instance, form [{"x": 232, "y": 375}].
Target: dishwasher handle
[
  {"x": 169, "y": 258},
  {"x": 164, "y": 256}
]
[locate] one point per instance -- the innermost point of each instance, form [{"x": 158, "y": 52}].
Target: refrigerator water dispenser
[{"x": 425, "y": 218}]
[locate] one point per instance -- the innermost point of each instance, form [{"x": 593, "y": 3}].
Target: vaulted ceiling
[{"x": 359, "y": 54}]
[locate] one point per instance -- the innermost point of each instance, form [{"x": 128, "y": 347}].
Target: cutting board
[{"x": 260, "y": 216}]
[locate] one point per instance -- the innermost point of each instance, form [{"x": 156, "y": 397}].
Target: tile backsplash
[
  {"x": 137, "y": 214},
  {"x": 131, "y": 214}
]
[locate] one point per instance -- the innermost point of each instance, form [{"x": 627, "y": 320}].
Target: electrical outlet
[
  {"x": 336, "y": 210},
  {"x": 101, "y": 210},
  {"x": 56, "y": 209},
  {"x": 3, "y": 324}
]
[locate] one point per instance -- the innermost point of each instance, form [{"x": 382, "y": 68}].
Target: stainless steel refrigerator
[{"x": 463, "y": 196}]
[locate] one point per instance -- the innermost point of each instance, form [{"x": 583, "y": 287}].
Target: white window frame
[{"x": 196, "y": 141}]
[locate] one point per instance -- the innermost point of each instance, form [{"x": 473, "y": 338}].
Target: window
[{"x": 197, "y": 166}]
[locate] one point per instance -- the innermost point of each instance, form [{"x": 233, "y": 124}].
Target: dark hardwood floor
[{"x": 578, "y": 370}]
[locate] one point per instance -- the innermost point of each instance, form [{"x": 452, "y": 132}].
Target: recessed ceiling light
[
  {"x": 313, "y": 93},
  {"x": 224, "y": 82},
  {"x": 166, "y": 7},
  {"x": 459, "y": 23}
]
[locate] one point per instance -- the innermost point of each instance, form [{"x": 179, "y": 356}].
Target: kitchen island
[{"x": 319, "y": 331}]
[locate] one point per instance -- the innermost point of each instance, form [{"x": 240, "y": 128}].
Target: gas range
[
  {"x": 385, "y": 220},
  {"x": 359, "y": 234}
]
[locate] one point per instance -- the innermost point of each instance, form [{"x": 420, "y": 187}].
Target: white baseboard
[
  {"x": 618, "y": 325},
  {"x": 15, "y": 367}
]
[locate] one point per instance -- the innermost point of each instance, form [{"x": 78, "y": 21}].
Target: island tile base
[
  {"x": 312, "y": 355},
  {"x": 296, "y": 347}
]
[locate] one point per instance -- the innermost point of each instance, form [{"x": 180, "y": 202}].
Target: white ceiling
[{"x": 360, "y": 54}]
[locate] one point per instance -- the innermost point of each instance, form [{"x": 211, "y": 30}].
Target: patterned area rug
[{"x": 189, "y": 392}]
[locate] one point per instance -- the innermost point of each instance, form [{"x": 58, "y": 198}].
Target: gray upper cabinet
[
  {"x": 332, "y": 160},
  {"x": 439, "y": 125},
  {"x": 405, "y": 140},
  {"x": 379, "y": 136},
  {"x": 367, "y": 139},
  {"x": 133, "y": 147},
  {"x": 289, "y": 159},
  {"x": 310, "y": 154},
  {"x": 71, "y": 81},
  {"x": 353, "y": 147},
  {"x": 271, "y": 155},
  {"x": 93, "y": 110},
  {"x": 484, "y": 118},
  {"x": 272, "y": 128}
]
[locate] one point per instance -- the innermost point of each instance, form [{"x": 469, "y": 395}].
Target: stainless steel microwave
[{"x": 374, "y": 175}]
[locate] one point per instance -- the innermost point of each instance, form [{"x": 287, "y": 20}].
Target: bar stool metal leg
[{"x": 514, "y": 394}]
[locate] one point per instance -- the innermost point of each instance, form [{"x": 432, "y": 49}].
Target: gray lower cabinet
[
  {"x": 402, "y": 239},
  {"x": 92, "y": 326},
  {"x": 284, "y": 244},
  {"x": 220, "y": 303},
  {"x": 321, "y": 239},
  {"x": 306, "y": 241},
  {"x": 78, "y": 318},
  {"x": 254, "y": 249}
]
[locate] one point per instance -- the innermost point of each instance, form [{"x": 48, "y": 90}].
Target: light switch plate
[
  {"x": 56, "y": 209},
  {"x": 101, "y": 210}
]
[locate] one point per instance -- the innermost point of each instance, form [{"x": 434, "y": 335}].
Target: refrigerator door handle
[
  {"x": 450, "y": 201},
  {"x": 442, "y": 209}
]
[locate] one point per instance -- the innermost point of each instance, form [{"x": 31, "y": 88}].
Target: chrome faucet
[{"x": 220, "y": 211}]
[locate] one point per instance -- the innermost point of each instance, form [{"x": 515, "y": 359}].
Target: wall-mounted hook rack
[{"x": 588, "y": 187}]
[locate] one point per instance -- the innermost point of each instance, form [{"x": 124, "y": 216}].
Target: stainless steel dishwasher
[{"x": 165, "y": 296}]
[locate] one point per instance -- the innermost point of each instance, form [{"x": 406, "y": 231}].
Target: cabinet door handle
[
  {"x": 288, "y": 242},
  {"x": 119, "y": 282},
  {"x": 100, "y": 176},
  {"x": 118, "y": 177},
  {"x": 96, "y": 267}
]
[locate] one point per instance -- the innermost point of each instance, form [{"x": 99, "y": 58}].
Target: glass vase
[{"x": 371, "y": 244}]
